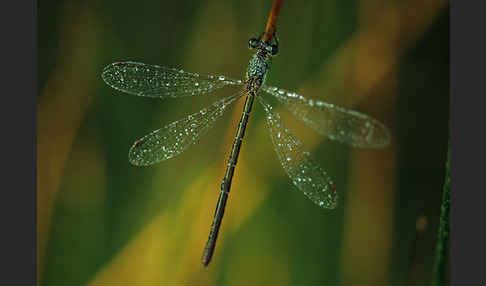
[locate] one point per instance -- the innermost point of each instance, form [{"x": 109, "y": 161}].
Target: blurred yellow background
[{"x": 102, "y": 221}]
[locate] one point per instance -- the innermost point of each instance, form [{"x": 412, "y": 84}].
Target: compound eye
[
  {"x": 253, "y": 43},
  {"x": 268, "y": 48},
  {"x": 274, "y": 50}
]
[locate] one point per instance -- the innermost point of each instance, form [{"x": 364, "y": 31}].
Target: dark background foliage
[{"x": 102, "y": 221}]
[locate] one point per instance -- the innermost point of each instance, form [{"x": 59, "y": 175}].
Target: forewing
[
  {"x": 305, "y": 174},
  {"x": 161, "y": 82},
  {"x": 337, "y": 123},
  {"x": 175, "y": 138}
]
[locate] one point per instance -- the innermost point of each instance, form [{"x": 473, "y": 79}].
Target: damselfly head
[
  {"x": 259, "y": 44},
  {"x": 272, "y": 49},
  {"x": 254, "y": 43}
]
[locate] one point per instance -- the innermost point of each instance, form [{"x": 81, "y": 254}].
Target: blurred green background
[{"x": 102, "y": 221}]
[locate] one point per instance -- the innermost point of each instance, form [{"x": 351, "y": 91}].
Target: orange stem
[{"x": 272, "y": 20}]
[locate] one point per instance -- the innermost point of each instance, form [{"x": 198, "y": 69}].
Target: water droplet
[
  {"x": 288, "y": 159},
  {"x": 196, "y": 84},
  {"x": 278, "y": 135},
  {"x": 321, "y": 204}
]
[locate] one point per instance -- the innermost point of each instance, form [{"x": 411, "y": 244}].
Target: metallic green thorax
[{"x": 257, "y": 70}]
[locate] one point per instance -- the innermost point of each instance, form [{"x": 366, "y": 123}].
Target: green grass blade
[{"x": 442, "y": 246}]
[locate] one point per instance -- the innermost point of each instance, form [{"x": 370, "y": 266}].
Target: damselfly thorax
[{"x": 259, "y": 64}]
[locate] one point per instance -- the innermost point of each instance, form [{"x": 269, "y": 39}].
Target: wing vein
[
  {"x": 162, "y": 82},
  {"x": 174, "y": 138},
  {"x": 305, "y": 174},
  {"x": 337, "y": 123}
]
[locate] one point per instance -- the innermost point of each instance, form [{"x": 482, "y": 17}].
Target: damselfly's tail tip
[
  {"x": 206, "y": 258},
  {"x": 205, "y": 263}
]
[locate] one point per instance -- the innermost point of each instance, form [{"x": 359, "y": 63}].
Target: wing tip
[
  {"x": 331, "y": 202},
  {"x": 134, "y": 156},
  {"x": 380, "y": 134},
  {"x": 118, "y": 64},
  {"x": 107, "y": 73}
]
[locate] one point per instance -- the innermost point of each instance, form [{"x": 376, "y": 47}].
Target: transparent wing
[
  {"x": 337, "y": 123},
  {"x": 162, "y": 82},
  {"x": 175, "y": 138},
  {"x": 305, "y": 174}
]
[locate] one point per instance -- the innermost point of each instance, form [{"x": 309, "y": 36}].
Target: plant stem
[
  {"x": 441, "y": 251},
  {"x": 272, "y": 20}
]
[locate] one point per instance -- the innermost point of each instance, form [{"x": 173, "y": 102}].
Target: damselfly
[{"x": 337, "y": 123}]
